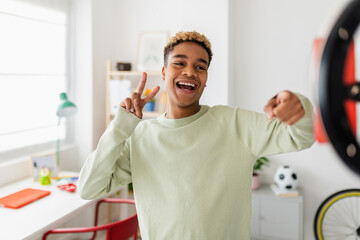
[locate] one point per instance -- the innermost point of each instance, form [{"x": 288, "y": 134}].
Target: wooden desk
[{"x": 32, "y": 220}]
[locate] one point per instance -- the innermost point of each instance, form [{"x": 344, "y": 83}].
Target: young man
[{"x": 191, "y": 168}]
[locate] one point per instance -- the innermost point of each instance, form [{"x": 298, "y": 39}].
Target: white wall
[
  {"x": 273, "y": 43},
  {"x": 213, "y": 22},
  {"x": 104, "y": 41},
  {"x": 82, "y": 79},
  {"x": 94, "y": 43}
]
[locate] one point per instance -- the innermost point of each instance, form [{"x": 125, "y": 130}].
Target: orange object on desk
[{"x": 23, "y": 197}]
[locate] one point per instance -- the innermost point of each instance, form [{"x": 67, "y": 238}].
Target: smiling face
[{"x": 185, "y": 78}]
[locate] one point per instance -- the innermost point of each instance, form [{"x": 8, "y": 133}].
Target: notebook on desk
[{"x": 23, "y": 197}]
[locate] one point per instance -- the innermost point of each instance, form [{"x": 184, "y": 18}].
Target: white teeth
[{"x": 187, "y": 84}]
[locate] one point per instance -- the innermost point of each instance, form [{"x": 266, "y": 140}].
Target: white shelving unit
[
  {"x": 153, "y": 79},
  {"x": 276, "y": 218}
]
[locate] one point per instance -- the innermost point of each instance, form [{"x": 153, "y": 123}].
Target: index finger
[
  {"x": 140, "y": 87},
  {"x": 283, "y": 96},
  {"x": 152, "y": 94},
  {"x": 270, "y": 105},
  {"x": 268, "y": 109}
]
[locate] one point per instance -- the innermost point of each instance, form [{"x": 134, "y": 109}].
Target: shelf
[
  {"x": 134, "y": 77},
  {"x": 132, "y": 73},
  {"x": 145, "y": 115}
]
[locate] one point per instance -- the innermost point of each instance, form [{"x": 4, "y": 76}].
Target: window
[{"x": 33, "y": 71}]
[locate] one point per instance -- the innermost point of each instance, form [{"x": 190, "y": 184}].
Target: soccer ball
[{"x": 286, "y": 179}]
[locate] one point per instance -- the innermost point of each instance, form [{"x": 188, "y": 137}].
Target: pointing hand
[{"x": 286, "y": 107}]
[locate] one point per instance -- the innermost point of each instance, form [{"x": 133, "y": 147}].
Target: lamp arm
[{"x": 58, "y": 142}]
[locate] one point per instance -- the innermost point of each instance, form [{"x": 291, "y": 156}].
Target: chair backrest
[
  {"x": 120, "y": 230},
  {"x": 123, "y": 229}
]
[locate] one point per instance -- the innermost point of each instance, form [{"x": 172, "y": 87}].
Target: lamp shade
[{"x": 65, "y": 108}]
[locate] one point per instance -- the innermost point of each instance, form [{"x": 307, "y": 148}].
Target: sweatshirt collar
[{"x": 174, "y": 123}]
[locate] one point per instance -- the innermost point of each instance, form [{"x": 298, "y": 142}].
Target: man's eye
[
  {"x": 201, "y": 68},
  {"x": 179, "y": 63}
]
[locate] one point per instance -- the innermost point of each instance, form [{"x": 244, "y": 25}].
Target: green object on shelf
[
  {"x": 260, "y": 162},
  {"x": 130, "y": 187}
]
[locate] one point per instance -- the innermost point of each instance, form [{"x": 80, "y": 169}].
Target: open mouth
[{"x": 186, "y": 86}]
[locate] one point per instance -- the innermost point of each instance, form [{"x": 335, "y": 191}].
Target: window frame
[{"x": 8, "y": 156}]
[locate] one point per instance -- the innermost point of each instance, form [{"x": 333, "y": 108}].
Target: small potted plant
[{"x": 260, "y": 162}]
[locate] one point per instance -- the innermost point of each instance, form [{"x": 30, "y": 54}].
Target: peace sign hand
[{"x": 135, "y": 104}]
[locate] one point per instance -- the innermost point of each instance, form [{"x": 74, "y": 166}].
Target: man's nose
[{"x": 189, "y": 72}]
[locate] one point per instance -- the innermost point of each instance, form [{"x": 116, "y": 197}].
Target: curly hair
[{"x": 181, "y": 37}]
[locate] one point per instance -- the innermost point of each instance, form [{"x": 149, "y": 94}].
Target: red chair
[{"x": 120, "y": 230}]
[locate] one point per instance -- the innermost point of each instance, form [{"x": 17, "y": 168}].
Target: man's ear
[{"x": 163, "y": 72}]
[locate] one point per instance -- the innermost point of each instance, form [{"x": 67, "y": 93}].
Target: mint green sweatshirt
[{"x": 191, "y": 176}]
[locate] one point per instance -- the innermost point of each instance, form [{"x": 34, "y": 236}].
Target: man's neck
[{"x": 176, "y": 112}]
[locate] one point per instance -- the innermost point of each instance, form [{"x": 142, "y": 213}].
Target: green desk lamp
[{"x": 65, "y": 109}]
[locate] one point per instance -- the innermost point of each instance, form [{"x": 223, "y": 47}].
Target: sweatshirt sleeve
[
  {"x": 108, "y": 166},
  {"x": 268, "y": 137}
]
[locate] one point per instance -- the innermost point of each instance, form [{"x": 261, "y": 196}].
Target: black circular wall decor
[{"x": 333, "y": 92}]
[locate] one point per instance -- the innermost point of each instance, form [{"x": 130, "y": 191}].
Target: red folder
[{"x": 23, "y": 197}]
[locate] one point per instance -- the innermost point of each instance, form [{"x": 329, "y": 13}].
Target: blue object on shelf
[{"x": 150, "y": 106}]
